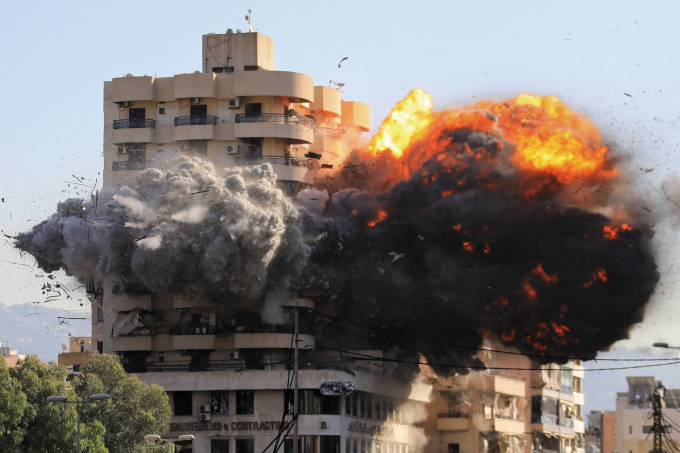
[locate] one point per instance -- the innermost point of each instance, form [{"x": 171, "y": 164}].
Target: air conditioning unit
[
  {"x": 194, "y": 100},
  {"x": 233, "y": 149},
  {"x": 124, "y": 103},
  {"x": 233, "y": 355},
  {"x": 235, "y": 103},
  {"x": 204, "y": 417},
  {"x": 204, "y": 408}
]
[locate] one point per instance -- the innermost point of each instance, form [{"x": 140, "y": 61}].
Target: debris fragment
[
  {"x": 201, "y": 191},
  {"x": 342, "y": 61},
  {"x": 628, "y": 95}
]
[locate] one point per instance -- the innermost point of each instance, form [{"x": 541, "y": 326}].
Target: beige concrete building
[
  {"x": 226, "y": 373},
  {"x": 508, "y": 411},
  {"x": 237, "y": 111},
  {"x": 633, "y": 424},
  {"x": 79, "y": 351},
  {"x": 609, "y": 432},
  {"x": 10, "y": 356}
]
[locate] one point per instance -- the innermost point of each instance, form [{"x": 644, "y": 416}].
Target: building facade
[
  {"x": 79, "y": 351},
  {"x": 538, "y": 408},
  {"x": 10, "y": 356},
  {"x": 633, "y": 423}
]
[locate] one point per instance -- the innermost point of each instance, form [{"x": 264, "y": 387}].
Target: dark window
[
  {"x": 100, "y": 314},
  {"x": 245, "y": 445},
  {"x": 544, "y": 410},
  {"x": 100, "y": 347},
  {"x": 223, "y": 70},
  {"x": 362, "y": 405},
  {"x": 161, "y": 358},
  {"x": 245, "y": 403},
  {"x": 369, "y": 406},
  {"x": 645, "y": 429},
  {"x": 184, "y": 446},
  {"x": 355, "y": 404},
  {"x": 250, "y": 68},
  {"x": 198, "y": 110},
  {"x": 138, "y": 114},
  {"x": 254, "y": 109},
  {"x": 219, "y": 446},
  {"x": 312, "y": 402},
  {"x": 348, "y": 405},
  {"x": 196, "y": 318},
  {"x": 454, "y": 448},
  {"x": 136, "y": 152},
  {"x": 378, "y": 412},
  {"x": 76, "y": 368},
  {"x": 219, "y": 402},
  {"x": 161, "y": 111},
  {"x": 183, "y": 402},
  {"x": 313, "y": 444}
]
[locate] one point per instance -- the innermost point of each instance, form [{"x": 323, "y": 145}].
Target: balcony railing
[
  {"x": 545, "y": 419},
  {"x": 230, "y": 365},
  {"x": 195, "y": 120},
  {"x": 566, "y": 423},
  {"x": 453, "y": 415},
  {"x": 280, "y": 160},
  {"x": 328, "y": 132},
  {"x": 192, "y": 329},
  {"x": 134, "y": 124},
  {"x": 127, "y": 165},
  {"x": 275, "y": 118},
  {"x": 567, "y": 390}
]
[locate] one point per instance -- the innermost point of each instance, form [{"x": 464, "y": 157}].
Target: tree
[
  {"x": 134, "y": 410},
  {"x": 12, "y": 408}
]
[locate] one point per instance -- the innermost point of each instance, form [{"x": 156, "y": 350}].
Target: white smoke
[{"x": 182, "y": 227}]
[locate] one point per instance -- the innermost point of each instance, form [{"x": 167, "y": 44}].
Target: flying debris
[{"x": 339, "y": 64}]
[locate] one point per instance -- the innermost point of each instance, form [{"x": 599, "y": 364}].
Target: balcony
[
  {"x": 509, "y": 385},
  {"x": 132, "y": 89},
  {"x": 194, "y": 127},
  {"x": 128, "y": 165},
  {"x": 191, "y": 337},
  {"x": 297, "y": 87},
  {"x": 267, "y": 340},
  {"x": 579, "y": 426},
  {"x": 133, "y": 131},
  {"x": 327, "y": 100},
  {"x": 356, "y": 114},
  {"x": 274, "y": 160},
  {"x": 132, "y": 343},
  {"x": 73, "y": 358},
  {"x": 452, "y": 422},
  {"x": 124, "y": 302},
  {"x": 297, "y": 129},
  {"x": 195, "y": 120},
  {"x": 509, "y": 426}
]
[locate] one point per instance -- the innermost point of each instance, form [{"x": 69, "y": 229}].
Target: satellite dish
[
  {"x": 247, "y": 17},
  {"x": 238, "y": 30},
  {"x": 64, "y": 347},
  {"x": 128, "y": 75}
]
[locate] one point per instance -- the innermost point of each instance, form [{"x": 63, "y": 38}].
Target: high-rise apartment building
[{"x": 227, "y": 373}]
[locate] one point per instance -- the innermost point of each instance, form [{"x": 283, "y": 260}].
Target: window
[
  {"x": 348, "y": 405},
  {"x": 378, "y": 412},
  {"x": 76, "y": 368},
  {"x": 100, "y": 347},
  {"x": 254, "y": 109},
  {"x": 355, "y": 446},
  {"x": 219, "y": 402},
  {"x": 161, "y": 111},
  {"x": 136, "y": 152},
  {"x": 646, "y": 429},
  {"x": 311, "y": 402},
  {"x": 223, "y": 70},
  {"x": 362, "y": 405},
  {"x": 363, "y": 446},
  {"x": 198, "y": 110},
  {"x": 184, "y": 446},
  {"x": 250, "y": 68},
  {"x": 183, "y": 403},
  {"x": 219, "y": 446},
  {"x": 369, "y": 406},
  {"x": 138, "y": 114},
  {"x": 355, "y": 403},
  {"x": 544, "y": 410},
  {"x": 245, "y": 404},
  {"x": 348, "y": 446},
  {"x": 245, "y": 445},
  {"x": 630, "y": 429},
  {"x": 100, "y": 314}
]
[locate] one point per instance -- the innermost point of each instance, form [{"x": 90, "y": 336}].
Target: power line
[
  {"x": 478, "y": 348},
  {"x": 381, "y": 359}
]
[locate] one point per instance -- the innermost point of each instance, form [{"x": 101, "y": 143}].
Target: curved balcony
[
  {"x": 274, "y": 160},
  {"x": 297, "y": 129},
  {"x": 286, "y": 168},
  {"x": 194, "y": 127},
  {"x": 132, "y": 89},
  {"x": 191, "y": 337},
  {"x": 295, "y": 86},
  {"x": 123, "y": 165},
  {"x": 133, "y": 131},
  {"x": 327, "y": 100},
  {"x": 132, "y": 343},
  {"x": 326, "y": 139},
  {"x": 356, "y": 114}
]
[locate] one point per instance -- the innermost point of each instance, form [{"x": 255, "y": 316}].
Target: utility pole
[
  {"x": 295, "y": 391},
  {"x": 657, "y": 428}
]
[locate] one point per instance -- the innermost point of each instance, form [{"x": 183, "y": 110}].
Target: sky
[{"x": 615, "y": 61}]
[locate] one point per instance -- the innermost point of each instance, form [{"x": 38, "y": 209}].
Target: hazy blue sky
[{"x": 56, "y": 56}]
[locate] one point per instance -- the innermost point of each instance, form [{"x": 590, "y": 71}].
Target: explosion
[{"x": 482, "y": 220}]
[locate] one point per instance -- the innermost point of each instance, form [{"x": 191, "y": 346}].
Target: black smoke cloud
[{"x": 456, "y": 252}]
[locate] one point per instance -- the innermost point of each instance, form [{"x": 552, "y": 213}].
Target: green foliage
[
  {"x": 12, "y": 408},
  {"x": 29, "y": 424},
  {"x": 134, "y": 410}
]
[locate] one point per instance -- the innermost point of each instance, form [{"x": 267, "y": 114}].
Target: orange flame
[
  {"x": 407, "y": 119},
  {"x": 598, "y": 274},
  {"x": 548, "y": 279},
  {"x": 611, "y": 232},
  {"x": 380, "y": 216}
]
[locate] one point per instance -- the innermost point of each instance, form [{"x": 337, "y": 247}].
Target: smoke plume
[{"x": 496, "y": 220}]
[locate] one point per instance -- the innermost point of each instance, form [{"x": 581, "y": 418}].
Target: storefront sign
[
  {"x": 376, "y": 430},
  {"x": 227, "y": 426}
]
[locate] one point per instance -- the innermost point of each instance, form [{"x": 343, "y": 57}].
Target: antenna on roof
[{"x": 248, "y": 17}]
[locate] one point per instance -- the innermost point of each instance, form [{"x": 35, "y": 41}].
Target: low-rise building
[
  {"x": 79, "y": 351},
  {"x": 633, "y": 422},
  {"x": 10, "y": 356}
]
